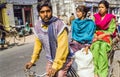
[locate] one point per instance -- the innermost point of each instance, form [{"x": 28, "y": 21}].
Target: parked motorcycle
[
  {"x": 28, "y": 29},
  {"x": 24, "y": 30}
]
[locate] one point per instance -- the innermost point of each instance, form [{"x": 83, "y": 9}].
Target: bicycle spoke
[
  {"x": 29, "y": 73},
  {"x": 41, "y": 75},
  {"x": 19, "y": 40}
]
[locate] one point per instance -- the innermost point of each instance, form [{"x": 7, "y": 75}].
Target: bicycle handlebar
[
  {"x": 29, "y": 72},
  {"x": 34, "y": 65}
]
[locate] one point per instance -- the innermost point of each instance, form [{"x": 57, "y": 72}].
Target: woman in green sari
[{"x": 103, "y": 38}]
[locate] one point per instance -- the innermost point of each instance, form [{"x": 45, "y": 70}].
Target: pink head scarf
[{"x": 103, "y": 23}]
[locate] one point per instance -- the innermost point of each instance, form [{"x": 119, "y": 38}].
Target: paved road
[
  {"x": 12, "y": 60},
  {"x": 116, "y": 64}
]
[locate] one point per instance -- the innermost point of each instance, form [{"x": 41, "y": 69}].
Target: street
[
  {"x": 12, "y": 60},
  {"x": 20, "y": 17}
]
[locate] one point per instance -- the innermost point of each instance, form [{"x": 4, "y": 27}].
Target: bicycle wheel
[
  {"x": 115, "y": 66},
  {"x": 19, "y": 39},
  {"x": 1, "y": 45},
  {"x": 9, "y": 40}
]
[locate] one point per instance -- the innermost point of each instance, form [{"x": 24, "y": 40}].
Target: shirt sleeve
[
  {"x": 112, "y": 27},
  {"x": 62, "y": 50},
  {"x": 37, "y": 50}
]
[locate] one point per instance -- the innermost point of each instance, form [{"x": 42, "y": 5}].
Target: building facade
[
  {"x": 18, "y": 12},
  {"x": 3, "y": 13},
  {"x": 68, "y": 6},
  {"x": 63, "y": 7},
  {"x": 21, "y": 11}
]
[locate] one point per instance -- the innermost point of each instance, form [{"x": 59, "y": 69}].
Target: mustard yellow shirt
[{"x": 61, "y": 51}]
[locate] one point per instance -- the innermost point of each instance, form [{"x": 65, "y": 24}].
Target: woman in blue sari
[{"x": 83, "y": 30}]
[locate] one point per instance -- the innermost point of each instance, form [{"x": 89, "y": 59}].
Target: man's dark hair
[{"x": 43, "y": 3}]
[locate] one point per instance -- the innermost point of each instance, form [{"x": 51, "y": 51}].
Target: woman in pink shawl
[{"x": 102, "y": 40}]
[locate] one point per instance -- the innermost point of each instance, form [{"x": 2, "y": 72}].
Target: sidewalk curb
[{"x": 29, "y": 38}]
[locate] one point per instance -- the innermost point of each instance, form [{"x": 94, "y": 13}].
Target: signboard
[
  {"x": 22, "y": 1},
  {"x": 2, "y": 1}
]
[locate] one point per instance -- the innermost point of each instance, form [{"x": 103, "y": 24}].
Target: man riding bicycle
[{"x": 52, "y": 36}]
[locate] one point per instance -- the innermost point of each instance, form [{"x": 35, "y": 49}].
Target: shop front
[{"x": 22, "y": 14}]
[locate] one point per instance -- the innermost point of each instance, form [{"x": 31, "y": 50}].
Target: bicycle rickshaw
[
  {"x": 32, "y": 73},
  {"x": 114, "y": 56},
  {"x": 12, "y": 37}
]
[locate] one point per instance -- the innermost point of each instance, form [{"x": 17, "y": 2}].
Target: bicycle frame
[
  {"x": 12, "y": 37},
  {"x": 30, "y": 73},
  {"x": 3, "y": 42},
  {"x": 111, "y": 55}
]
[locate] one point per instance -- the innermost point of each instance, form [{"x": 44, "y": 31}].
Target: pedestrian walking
[
  {"x": 72, "y": 17},
  {"x": 52, "y": 36},
  {"x": 64, "y": 17},
  {"x": 2, "y": 35},
  {"x": 103, "y": 38},
  {"x": 89, "y": 15},
  {"x": 83, "y": 30}
]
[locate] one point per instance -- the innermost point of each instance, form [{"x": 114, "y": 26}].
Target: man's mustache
[{"x": 46, "y": 17}]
